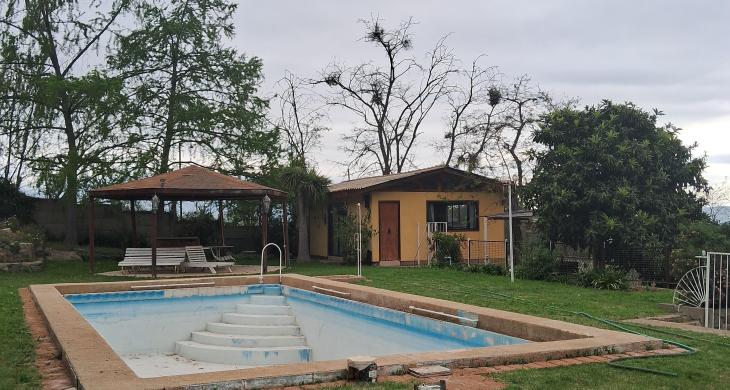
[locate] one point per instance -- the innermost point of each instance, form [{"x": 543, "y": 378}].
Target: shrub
[
  {"x": 198, "y": 223},
  {"x": 489, "y": 269},
  {"x": 695, "y": 237},
  {"x": 536, "y": 261},
  {"x": 447, "y": 248},
  {"x": 14, "y": 203},
  {"x": 346, "y": 233},
  {"x": 607, "y": 278}
]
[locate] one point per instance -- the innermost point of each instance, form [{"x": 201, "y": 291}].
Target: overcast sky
[{"x": 672, "y": 55}]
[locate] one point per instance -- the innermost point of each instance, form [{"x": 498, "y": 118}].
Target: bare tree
[
  {"x": 390, "y": 101},
  {"x": 717, "y": 201},
  {"x": 301, "y": 120},
  {"x": 497, "y": 139},
  {"x": 300, "y": 117},
  {"x": 524, "y": 112},
  {"x": 465, "y": 115}
]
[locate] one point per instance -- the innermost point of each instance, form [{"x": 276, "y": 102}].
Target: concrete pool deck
[
  {"x": 236, "y": 270},
  {"x": 94, "y": 365}
]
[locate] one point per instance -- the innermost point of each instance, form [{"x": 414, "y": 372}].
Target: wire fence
[
  {"x": 483, "y": 252},
  {"x": 652, "y": 265}
]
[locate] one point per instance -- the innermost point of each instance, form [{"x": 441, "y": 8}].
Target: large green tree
[
  {"x": 190, "y": 91},
  {"x": 50, "y": 45},
  {"x": 610, "y": 175}
]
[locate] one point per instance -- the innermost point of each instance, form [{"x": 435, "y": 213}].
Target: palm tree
[{"x": 309, "y": 189}]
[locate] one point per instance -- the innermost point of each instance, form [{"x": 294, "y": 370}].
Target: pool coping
[{"x": 94, "y": 365}]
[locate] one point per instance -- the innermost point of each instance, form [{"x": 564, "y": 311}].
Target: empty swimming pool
[
  {"x": 234, "y": 332},
  {"x": 190, "y": 330}
]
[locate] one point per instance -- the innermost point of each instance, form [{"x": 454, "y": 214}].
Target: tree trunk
[
  {"x": 72, "y": 181},
  {"x": 302, "y": 229}
]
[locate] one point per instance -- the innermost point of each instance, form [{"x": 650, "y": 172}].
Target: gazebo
[{"x": 192, "y": 183}]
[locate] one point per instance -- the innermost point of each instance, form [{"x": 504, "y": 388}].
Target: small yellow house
[{"x": 401, "y": 209}]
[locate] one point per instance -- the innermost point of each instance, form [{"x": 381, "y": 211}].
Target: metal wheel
[{"x": 690, "y": 290}]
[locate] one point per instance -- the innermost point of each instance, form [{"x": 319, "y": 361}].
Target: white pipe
[
  {"x": 359, "y": 240},
  {"x": 486, "y": 240},
  {"x": 263, "y": 252},
  {"x": 511, "y": 237},
  {"x": 346, "y": 294},
  {"x": 707, "y": 290},
  {"x": 418, "y": 244},
  {"x": 414, "y": 308}
]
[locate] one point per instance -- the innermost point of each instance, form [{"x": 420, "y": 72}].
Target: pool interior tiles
[{"x": 151, "y": 330}]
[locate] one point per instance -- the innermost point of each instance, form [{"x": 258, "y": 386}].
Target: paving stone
[{"x": 572, "y": 361}]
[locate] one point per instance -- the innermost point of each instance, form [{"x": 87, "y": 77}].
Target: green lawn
[{"x": 706, "y": 369}]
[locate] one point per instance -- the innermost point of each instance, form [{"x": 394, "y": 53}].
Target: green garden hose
[{"x": 688, "y": 350}]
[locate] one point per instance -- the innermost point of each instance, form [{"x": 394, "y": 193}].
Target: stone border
[
  {"x": 94, "y": 365},
  {"x": 658, "y": 322}
]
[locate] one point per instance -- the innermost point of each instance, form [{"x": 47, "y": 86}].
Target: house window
[{"x": 458, "y": 215}]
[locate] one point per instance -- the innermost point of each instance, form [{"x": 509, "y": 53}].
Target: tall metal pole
[
  {"x": 285, "y": 227},
  {"x": 511, "y": 237},
  {"x": 359, "y": 240}
]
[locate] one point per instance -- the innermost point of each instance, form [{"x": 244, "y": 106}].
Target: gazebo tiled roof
[{"x": 189, "y": 183}]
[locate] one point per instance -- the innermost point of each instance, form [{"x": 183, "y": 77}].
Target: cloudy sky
[{"x": 672, "y": 55}]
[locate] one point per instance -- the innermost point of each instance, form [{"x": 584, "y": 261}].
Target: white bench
[
  {"x": 195, "y": 258},
  {"x": 142, "y": 257}
]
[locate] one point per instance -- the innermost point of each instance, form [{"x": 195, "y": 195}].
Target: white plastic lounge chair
[
  {"x": 142, "y": 257},
  {"x": 195, "y": 258}
]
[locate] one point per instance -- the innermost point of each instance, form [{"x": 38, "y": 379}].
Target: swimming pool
[
  {"x": 170, "y": 332},
  {"x": 159, "y": 334}
]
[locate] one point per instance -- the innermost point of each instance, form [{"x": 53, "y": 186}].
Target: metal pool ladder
[{"x": 263, "y": 252}]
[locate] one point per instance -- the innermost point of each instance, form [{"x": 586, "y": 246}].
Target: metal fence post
[
  {"x": 707, "y": 290},
  {"x": 468, "y": 251}
]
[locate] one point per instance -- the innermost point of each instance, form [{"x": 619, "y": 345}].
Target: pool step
[
  {"x": 253, "y": 330},
  {"x": 258, "y": 319},
  {"x": 243, "y": 356},
  {"x": 247, "y": 341},
  {"x": 268, "y": 300},
  {"x": 263, "y": 309},
  {"x": 262, "y": 332}
]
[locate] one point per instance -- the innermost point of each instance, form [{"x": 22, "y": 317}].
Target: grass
[
  {"x": 17, "y": 370},
  {"x": 706, "y": 369}
]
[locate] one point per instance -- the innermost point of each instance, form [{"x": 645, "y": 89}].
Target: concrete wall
[
  {"x": 412, "y": 219},
  {"x": 113, "y": 225}
]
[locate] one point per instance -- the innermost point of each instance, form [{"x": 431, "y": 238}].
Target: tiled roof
[
  {"x": 196, "y": 181},
  {"x": 367, "y": 182}
]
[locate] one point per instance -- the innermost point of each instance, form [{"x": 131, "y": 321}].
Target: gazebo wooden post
[
  {"x": 220, "y": 221},
  {"x": 264, "y": 237},
  {"x": 92, "y": 217},
  {"x": 133, "y": 214},
  {"x": 285, "y": 227}
]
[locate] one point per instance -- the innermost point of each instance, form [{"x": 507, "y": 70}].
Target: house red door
[{"x": 389, "y": 230}]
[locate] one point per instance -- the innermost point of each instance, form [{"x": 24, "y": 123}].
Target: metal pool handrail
[{"x": 263, "y": 252}]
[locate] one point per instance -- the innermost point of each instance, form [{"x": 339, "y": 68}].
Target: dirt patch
[{"x": 48, "y": 358}]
